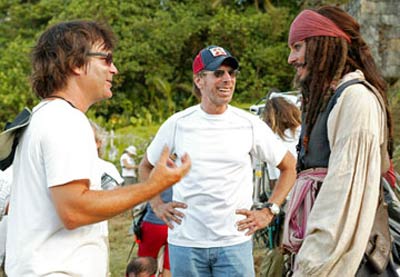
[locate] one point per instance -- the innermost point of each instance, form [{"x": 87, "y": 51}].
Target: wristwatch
[{"x": 274, "y": 208}]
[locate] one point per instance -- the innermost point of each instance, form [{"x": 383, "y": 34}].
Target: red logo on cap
[{"x": 218, "y": 51}]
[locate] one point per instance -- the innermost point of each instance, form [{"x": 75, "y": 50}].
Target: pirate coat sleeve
[{"x": 342, "y": 217}]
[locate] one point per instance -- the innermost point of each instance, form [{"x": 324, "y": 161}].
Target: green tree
[{"x": 158, "y": 40}]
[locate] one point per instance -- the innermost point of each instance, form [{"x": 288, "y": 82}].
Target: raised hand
[{"x": 165, "y": 173}]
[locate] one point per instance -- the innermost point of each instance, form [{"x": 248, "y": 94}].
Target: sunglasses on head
[
  {"x": 220, "y": 72},
  {"x": 108, "y": 57}
]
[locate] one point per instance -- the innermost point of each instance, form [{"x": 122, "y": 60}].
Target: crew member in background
[{"x": 128, "y": 165}]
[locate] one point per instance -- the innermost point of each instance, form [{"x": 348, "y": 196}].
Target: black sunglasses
[
  {"x": 108, "y": 57},
  {"x": 219, "y": 73}
]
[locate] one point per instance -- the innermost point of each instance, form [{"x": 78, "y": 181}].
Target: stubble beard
[{"x": 303, "y": 83}]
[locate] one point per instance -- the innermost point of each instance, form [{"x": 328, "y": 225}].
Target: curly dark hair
[
  {"x": 63, "y": 47},
  {"x": 328, "y": 59}
]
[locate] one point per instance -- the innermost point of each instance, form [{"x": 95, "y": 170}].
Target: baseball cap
[
  {"x": 211, "y": 57},
  {"x": 131, "y": 150}
]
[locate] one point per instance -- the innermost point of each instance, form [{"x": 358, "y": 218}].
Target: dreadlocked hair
[
  {"x": 359, "y": 56},
  {"x": 326, "y": 60}
]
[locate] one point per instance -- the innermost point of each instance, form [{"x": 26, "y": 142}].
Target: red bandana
[{"x": 311, "y": 24}]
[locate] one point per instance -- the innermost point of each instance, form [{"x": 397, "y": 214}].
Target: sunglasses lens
[
  {"x": 219, "y": 73},
  {"x": 233, "y": 73},
  {"x": 109, "y": 59}
]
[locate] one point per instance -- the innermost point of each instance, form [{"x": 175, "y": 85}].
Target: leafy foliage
[
  {"x": 157, "y": 43},
  {"x": 158, "y": 40}
]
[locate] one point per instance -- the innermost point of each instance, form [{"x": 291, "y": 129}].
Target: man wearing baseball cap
[{"x": 211, "y": 236}]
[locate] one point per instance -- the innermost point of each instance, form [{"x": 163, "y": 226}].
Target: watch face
[{"x": 274, "y": 208}]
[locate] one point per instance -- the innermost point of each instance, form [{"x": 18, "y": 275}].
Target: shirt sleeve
[
  {"x": 69, "y": 149},
  {"x": 342, "y": 217},
  {"x": 266, "y": 146},
  {"x": 164, "y": 137}
]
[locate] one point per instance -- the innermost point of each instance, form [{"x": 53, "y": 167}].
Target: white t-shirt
[
  {"x": 57, "y": 147},
  {"x": 290, "y": 142},
  {"x": 220, "y": 179},
  {"x": 127, "y": 172}
]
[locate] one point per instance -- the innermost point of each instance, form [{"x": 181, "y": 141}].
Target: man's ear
[
  {"x": 79, "y": 70},
  {"x": 198, "y": 81}
]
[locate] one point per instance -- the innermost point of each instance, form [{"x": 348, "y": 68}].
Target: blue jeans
[{"x": 236, "y": 260}]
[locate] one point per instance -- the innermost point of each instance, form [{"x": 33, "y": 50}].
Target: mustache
[{"x": 299, "y": 64}]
